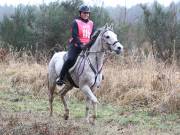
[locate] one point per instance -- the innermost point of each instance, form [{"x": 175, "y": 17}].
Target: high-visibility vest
[{"x": 84, "y": 30}]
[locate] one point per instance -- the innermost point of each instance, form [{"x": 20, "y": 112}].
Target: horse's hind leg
[
  {"x": 63, "y": 92},
  {"x": 51, "y": 88}
]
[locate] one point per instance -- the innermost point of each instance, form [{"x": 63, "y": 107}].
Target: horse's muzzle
[{"x": 119, "y": 50}]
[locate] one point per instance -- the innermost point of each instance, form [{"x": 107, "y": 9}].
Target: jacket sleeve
[
  {"x": 93, "y": 30},
  {"x": 75, "y": 34}
]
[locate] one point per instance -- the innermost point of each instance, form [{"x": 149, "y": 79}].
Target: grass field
[
  {"x": 25, "y": 114},
  {"x": 136, "y": 97}
]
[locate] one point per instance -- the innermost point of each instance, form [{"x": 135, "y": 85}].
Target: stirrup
[{"x": 59, "y": 82}]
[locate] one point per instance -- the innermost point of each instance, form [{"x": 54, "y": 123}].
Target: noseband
[{"x": 113, "y": 44}]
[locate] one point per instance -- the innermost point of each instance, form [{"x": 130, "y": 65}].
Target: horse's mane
[
  {"x": 96, "y": 34},
  {"x": 94, "y": 37},
  {"x": 99, "y": 30}
]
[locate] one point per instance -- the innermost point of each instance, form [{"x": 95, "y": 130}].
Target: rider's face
[{"x": 84, "y": 15}]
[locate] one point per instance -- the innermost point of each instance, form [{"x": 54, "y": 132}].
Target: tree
[
  {"x": 160, "y": 25},
  {"x": 18, "y": 29},
  {"x": 44, "y": 27},
  {"x": 100, "y": 16}
]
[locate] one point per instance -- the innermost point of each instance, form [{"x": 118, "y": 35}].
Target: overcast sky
[{"x": 129, "y": 3}]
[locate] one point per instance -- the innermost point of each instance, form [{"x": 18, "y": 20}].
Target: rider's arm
[
  {"x": 93, "y": 30},
  {"x": 75, "y": 37}
]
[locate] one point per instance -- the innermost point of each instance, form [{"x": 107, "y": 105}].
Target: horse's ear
[
  {"x": 106, "y": 26},
  {"x": 111, "y": 26}
]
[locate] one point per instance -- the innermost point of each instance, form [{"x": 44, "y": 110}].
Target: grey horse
[{"x": 86, "y": 74}]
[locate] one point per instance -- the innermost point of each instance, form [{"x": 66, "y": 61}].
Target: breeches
[{"x": 73, "y": 53}]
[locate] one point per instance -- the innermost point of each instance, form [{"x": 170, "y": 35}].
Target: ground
[{"x": 22, "y": 114}]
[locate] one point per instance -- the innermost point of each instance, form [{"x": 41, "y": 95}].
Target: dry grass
[
  {"x": 136, "y": 80},
  {"x": 135, "y": 84},
  {"x": 24, "y": 74},
  {"x": 140, "y": 80}
]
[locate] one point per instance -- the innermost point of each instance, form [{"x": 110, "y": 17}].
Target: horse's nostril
[{"x": 119, "y": 48}]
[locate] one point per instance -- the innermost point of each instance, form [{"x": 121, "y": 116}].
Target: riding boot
[{"x": 65, "y": 68}]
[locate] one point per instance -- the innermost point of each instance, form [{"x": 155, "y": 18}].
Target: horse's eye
[{"x": 107, "y": 37}]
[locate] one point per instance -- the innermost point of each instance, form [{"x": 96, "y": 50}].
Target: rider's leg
[
  {"x": 72, "y": 55},
  {"x": 64, "y": 70}
]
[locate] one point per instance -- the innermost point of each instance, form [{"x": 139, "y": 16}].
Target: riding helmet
[{"x": 84, "y": 8}]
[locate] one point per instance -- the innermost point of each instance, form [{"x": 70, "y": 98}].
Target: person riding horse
[{"x": 82, "y": 29}]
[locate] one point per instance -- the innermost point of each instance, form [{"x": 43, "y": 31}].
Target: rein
[
  {"x": 96, "y": 71},
  {"x": 95, "y": 68}
]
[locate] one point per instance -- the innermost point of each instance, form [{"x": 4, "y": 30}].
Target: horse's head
[{"x": 110, "y": 41}]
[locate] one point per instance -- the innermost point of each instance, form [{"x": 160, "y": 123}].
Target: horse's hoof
[
  {"x": 92, "y": 120},
  {"x": 66, "y": 117},
  {"x": 50, "y": 115}
]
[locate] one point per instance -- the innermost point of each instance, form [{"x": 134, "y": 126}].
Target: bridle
[
  {"x": 103, "y": 39},
  {"x": 97, "y": 70}
]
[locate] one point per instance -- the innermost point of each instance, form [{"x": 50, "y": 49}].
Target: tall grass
[
  {"x": 136, "y": 79},
  {"x": 140, "y": 80}
]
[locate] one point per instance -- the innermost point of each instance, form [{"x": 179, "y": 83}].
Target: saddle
[{"x": 77, "y": 68}]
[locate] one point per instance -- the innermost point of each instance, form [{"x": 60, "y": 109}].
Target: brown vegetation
[
  {"x": 3, "y": 54},
  {"x": 136, "y": 80},
  {"x": 140, "y": 80}
]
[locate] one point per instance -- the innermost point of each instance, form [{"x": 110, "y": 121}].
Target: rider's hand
[{"x": 83, "y": 47}]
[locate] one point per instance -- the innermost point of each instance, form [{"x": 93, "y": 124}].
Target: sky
[{"x": 128, "y": 3}]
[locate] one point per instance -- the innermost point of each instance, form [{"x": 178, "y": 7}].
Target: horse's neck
[
  {"x": 98, "y": 57},
  {"x": 97, "y": 46}
]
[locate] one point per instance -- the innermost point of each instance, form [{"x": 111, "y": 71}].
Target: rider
[{"x": 82, "y": 28}]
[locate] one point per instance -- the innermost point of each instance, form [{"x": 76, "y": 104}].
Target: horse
[{"x": 86, "y": 74}]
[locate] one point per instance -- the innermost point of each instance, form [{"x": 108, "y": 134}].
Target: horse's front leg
[
  {"x": 88, "y": 105},
  {"x": 91, "y": 99},
  {"x": 94, "y": 115},
  {"x": 62, "y": 94}
]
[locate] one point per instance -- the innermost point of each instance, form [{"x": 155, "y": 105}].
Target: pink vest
[{"x": 84, "y": 30}]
